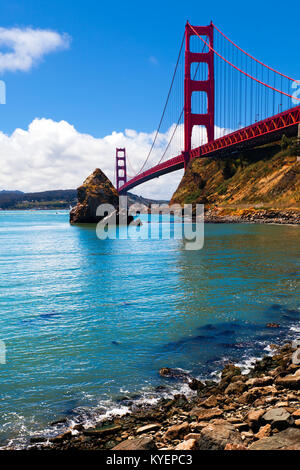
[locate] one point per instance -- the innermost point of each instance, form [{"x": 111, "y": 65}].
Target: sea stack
[{"x": 97, "y": 189}]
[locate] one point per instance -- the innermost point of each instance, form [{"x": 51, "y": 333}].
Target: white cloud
[
  {"x": 21, "y": 49},
  {"x": 54, "y": 155}
]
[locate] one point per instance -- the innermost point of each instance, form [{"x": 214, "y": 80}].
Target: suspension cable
[
  {"x": 165, "y": 107},
  {"x": 245, "y": 73},
  {"x": 251, "y": 57}
]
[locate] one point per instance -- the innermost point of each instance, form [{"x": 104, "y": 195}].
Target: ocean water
[{"x": 87, "y": 324}]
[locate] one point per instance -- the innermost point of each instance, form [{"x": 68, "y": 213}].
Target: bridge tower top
[
  {"x": 121, "y": 167},
  {"x": 190, "y": 86}
]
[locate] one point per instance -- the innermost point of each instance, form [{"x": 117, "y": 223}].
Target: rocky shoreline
[
  {"x": 252, "y": 215},
  {"x": 259, "y": 410}
]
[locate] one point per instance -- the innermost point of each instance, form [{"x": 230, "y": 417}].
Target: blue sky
[{"x": 116, "y": 71}]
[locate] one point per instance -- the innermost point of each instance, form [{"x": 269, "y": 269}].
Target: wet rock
[
  {"x": 196, "y": 385},
  {"x": 36, "y": 439},
  {"x": 216, "y": 436},
  {"x": 142, "y": 443},
  {"x": 174, "y": 373},
  {"x": 61, "y": 437},
  {"x": 148, "y": 428},
  {"x": 190, "y": 444},
  {"x": 102, "y": 431},
  {"x": 284, "y": 440},
  {"x": 278, "y": 418},
  {"x": 177, "y": 431}
]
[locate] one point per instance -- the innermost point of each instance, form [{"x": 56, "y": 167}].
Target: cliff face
[
  {"x": 264, "y": 177},
  {"x": 96, "y": 189}
]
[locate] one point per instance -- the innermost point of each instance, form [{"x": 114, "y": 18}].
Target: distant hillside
[
  {"x": 266, "y": 176},
  {"x": 133, "y": 199},
  {"x": 59, "y": 199}
]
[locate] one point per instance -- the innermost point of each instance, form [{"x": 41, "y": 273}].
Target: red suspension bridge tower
[
  {"x": 190, "y": 86},
  {"x": 121, "y": 168}
]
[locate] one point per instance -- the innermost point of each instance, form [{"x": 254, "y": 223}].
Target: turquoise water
[{"x": 87, "y": 323}]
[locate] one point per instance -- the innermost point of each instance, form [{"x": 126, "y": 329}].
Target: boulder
[
  {"x": 265, "y": 431},
  {"x": 177, "y": 431},
  {"x": 278, "y": 418},
  {"x": 235, "y": 388},
  {"x": 210, "y": 402},
  {"x": 284, "y": 440},
  {"x": 96, "y": 190},
  {"x": 148, "y": 428},
  {"x": 289, "y": 381},
  {"x": 254, "y": 419},
  {"x": 189, "y": 444},
  {"x": 142, "y": 443},
  {"x": 102, "y": 430},
  {"x": 206, "y": 415},
  {"x": 174, "y": 374},
  {"x": 216, "y": 436}
]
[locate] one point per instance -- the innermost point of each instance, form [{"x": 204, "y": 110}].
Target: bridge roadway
[{"x": 259, "y": 133}]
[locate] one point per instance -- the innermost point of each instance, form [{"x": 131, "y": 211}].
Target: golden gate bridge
[{"x": 222, "y": 100}]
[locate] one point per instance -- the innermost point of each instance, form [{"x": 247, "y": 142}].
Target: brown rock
[
  {"x": 177, "y": 431},
  {"x": 210, "y": 402},
  {"x": 235, "y": 447},
  {"x": 148, "y": 428},
  {"x": 297, "y": 423},
  {"x": 296, "y": 414},
  {"x": 255, "y": 393},
  {"x": 206, "y": 415},
  {"x": 289, "y": 381},
  {"x": 254, "y": 418},
  {"x": 265, "y": 431},
  {"x": 142, "y": 443},
  {"x": 96, "y": 190},
  {"x": 284, "y": 440},
  {"x": 216, "y": 436},
  {"x": 235, "y": 388},
  {"x": 278, "y": 418},
  {"x": 190, "y": 444},
  {"x": 193, "y": 435},
  {"x": 259, "y": 381},
  {"x": 102, "y": 431}
]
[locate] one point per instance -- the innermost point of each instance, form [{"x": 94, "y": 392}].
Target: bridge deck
[{"x": 261, "y": 132}]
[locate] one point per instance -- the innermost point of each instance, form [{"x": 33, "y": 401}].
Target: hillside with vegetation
[
  {"x": 59, "y": 199},
  {"x": 265, "y": 178}
]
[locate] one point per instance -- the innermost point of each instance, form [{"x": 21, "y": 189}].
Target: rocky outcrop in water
[{"x": 97, "y": 189}]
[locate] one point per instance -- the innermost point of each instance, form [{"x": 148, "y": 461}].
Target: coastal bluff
[
  {"x": 256, "y": 185},
  {"x": 97, "y": 189}
]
